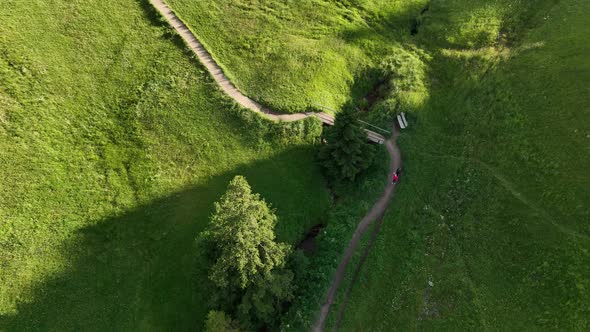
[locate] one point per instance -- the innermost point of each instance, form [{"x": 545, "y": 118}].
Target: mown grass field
[
  {"x": 114, "y": 144},
  {"x": 493, "y": 208}
]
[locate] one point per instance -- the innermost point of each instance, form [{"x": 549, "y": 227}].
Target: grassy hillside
[
  {"x": 114, "y": 143},
  {"x": 493, "y": 208},
  {"x": 293, "y": 54}
]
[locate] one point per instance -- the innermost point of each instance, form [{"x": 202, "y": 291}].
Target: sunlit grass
[
  {"x": 291, "y": 55},
  {"x": 114, "y": 143}
]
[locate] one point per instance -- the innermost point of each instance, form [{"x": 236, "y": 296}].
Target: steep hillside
[{"x": 114, "y": 143}]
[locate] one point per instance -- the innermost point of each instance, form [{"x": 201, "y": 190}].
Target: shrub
[{"x": 219, "y": 321}]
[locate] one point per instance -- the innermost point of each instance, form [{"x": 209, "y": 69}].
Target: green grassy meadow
[
  {"x": 114, "y": 144},
  {"x": 493, "y": 208}
]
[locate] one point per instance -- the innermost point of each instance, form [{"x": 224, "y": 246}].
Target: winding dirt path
[
  {"x": 375, "y": 214},
  {"x": 377, "y": 211}
]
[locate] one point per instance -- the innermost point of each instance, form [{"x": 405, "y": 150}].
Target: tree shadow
[{"x": 141, "y": 270}]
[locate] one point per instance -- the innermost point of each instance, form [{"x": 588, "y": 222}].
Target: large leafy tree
[
  {"x": 248, "y": 267},
  {"x": 347, "y": 152}
]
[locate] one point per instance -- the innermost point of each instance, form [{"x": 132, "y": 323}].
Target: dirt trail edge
[
  {"x": 213, "y": 68},
  {"x": 375, "y": 214}
]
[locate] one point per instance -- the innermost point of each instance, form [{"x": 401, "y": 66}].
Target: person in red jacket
[{"x": 396, "y": 176}]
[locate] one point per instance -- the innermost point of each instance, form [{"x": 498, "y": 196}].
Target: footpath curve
[
  {"x": 374, "y": 215},
  {"x": 377, "y": 211},
  {"x": 227, "y": 86},
  {"x": 214, "y": 69}
]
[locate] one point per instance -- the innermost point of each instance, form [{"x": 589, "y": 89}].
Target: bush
[
  {"x": 218, "y": 321},
  {"x": 405, "y": 71}
]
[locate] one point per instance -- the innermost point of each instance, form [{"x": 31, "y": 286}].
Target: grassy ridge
[
  {"x": 493, "y": 208},
  {"x": 114, "y": 144}
]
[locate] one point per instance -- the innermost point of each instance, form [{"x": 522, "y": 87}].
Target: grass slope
[
  {"x": 493, "y": 209},
  {"x": 114, "y": 144},
  {"x": 291, "y": 55}
]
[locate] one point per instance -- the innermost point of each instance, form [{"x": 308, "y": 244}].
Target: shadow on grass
[
  {"x": 365, "y": 84},
  {"x": 388, "y": 27},
  {"x": 141, "y": 270}
]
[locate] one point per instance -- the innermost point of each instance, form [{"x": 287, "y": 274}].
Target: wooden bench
[
  {"x": 404, "y": 118},
  {"x": 401, "y": 122},
  {"x": 401, "y": 119}
]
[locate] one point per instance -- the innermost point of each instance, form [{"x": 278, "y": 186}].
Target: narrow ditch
[
  {"x": 308, "y": 244},
  {"x": 377, "y": 93}
]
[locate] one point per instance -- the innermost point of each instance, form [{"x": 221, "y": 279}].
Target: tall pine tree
[
  {"x": 347, "y": 152},
  {"x": 248, "y": 267}
]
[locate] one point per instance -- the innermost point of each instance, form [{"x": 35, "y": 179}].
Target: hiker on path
[{"x": 396, "y": 176}]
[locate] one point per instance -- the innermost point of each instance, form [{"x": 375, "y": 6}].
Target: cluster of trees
[{"x": 248, "y": 266}]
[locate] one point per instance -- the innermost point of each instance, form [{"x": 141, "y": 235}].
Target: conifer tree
[
  {"x": 347, "y": 152},
  {"x": 248, "y": 266}
]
